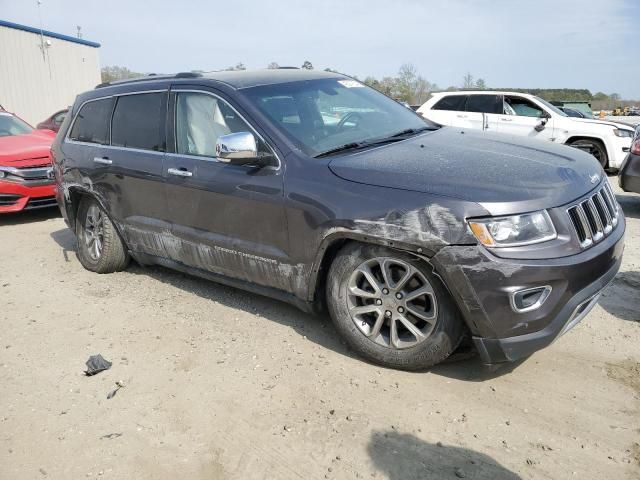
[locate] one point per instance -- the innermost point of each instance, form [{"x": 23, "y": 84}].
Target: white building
[{"x": 41, "y": 72}]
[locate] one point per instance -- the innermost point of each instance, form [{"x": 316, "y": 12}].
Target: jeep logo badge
[{"x": 594, "y": 178}]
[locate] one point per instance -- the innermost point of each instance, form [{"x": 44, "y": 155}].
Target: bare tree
[
  {"x": 410, "y": 86},
  {"x": 273, "y": 65},
  {"x": 238, "y": 66},
  {"x": 481, "y": 84},
  {"x": 467, "y": 81},
  {"x": 307, "y": 65},
  {"x": 114, "y": 72}
]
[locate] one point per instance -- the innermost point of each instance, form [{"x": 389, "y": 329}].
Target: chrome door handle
[
  {"x": 102, "y": 160},
  {"x": 507, "y": 119},
  {"x": 462, "y": 116},
  {"x": 179, "y": 173}
]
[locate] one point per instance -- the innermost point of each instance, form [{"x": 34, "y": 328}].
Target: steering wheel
[{"x": 346, "y": 118}]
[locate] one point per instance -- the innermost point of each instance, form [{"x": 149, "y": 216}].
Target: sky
[{"x": 592, "y": 44}]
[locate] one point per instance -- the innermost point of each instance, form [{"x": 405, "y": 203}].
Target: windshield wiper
[
  {"x": 342, "y": 148},
  {"x": 396, "y": 137},
  {"x": 410, "y": 132}
]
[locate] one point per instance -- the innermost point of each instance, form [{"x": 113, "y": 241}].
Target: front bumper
[
  {"x": 15, "y": 197},
  {"x": 629, "y": 176},
  {"x": 619, "y": 150},
  {"x": 481, "y": 284}
]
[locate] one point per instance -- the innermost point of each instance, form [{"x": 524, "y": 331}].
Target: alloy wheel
[
  {"x": 94, "y": 232},
  {"x": 391, "y": 302}
]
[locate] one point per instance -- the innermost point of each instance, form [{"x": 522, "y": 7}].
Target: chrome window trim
[
  {"x": 214, "y": 159},
  {"x": 132, "y": 149}
]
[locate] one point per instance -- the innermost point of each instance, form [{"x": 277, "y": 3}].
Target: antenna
[
  {"x": 42, "y": 47},
  {"x": 79, "y": 31}
]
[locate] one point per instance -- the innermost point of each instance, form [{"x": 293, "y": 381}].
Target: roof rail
[
  {"x": 288, "y": 68},
  {"x": 151, "y": 76}
]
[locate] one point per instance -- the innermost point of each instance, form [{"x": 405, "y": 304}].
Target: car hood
[
  {"x": 504, "y": 174},
  {"x": 25, "y": 150},
  {"x": 606, "y": 123}
]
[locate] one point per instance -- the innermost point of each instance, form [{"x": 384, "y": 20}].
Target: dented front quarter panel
[{"x": 323, "y": 208}]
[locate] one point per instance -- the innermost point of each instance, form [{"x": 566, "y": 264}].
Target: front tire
[
  {"x": 391, "y": 308},
  {"x": 100, "y": 248},
  {"x": 595, "y": 148}
]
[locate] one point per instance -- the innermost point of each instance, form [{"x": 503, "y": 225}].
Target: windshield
[
  {"x": 322, "y": 115},
  {"x": 551, "y": 107},
  {"x": 10, "y": 125}
]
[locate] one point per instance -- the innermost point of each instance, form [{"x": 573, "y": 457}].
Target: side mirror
[
  {"x": 237, "y": 148},
  {"x": 545, "y": 114}
]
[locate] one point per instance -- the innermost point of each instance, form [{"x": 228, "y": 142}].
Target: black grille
[
  {"x": 596, "y": 217},
  {"x": 8, "y": 200},
  {"x": 41, "y": 202}
]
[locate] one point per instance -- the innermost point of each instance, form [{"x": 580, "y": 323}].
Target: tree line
[{"x": 409, "y": 86}]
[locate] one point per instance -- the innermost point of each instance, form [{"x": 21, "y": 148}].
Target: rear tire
[
  {"x": 100, "y": 248},
  {"x": 406, "y": 321},
  {"x": 594, "y": 147}
]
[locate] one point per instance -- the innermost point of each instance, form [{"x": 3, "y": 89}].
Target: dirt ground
[{"x": 222, "y": 384}]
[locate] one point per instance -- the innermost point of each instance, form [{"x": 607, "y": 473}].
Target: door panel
[
  {"x": 524, "y": 126},
  {"x": 521, "y": 118},
  {"x": 227, "y": 219},
  {"x": 137, "y": 196}
]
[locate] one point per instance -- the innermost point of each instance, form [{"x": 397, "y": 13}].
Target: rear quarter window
[{"x": 92, "y": 122}]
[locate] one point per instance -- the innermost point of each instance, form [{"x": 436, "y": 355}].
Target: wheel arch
[
  {"x": 335, "y": 241},
  {"x": 74, "y": 195},
  {"x": 591, "y": 138}
]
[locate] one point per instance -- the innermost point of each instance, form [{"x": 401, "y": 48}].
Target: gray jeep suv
[{"x": 315, "y": 189}]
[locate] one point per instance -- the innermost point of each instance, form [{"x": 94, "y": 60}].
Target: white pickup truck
[{"x": 526, "y": 115}]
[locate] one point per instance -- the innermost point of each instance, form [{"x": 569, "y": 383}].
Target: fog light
[{"x": 529, "y": 299}]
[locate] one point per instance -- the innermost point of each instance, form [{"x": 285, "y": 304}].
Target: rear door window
[
  {"x": 92, "y": 122},
  {"x": 138, "y": 121},
  {"x": 451, "y": 102},
  {"x": 484, "y": 104}
]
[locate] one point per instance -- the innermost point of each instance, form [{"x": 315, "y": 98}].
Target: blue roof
[{"x": 46, "y": 33}]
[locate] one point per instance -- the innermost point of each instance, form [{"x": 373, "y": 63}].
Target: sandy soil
[{"x": 221, "y": 384}]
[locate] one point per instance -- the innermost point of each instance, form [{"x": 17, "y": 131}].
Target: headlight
[
  {"x": 623, "y": 133},
  {"x": 515, "y": 230}
]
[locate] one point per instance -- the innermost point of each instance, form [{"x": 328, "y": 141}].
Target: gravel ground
[{"x": 222, "y": 384}]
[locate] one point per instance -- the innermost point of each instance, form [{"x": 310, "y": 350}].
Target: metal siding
[{"x": 34, "y": 88}]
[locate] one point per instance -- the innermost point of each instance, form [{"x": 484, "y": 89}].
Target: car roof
[
  {"x": 481, "y": 92},
  {"x": 236, "y": 79}
]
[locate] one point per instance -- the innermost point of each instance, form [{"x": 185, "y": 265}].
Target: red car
[
  {"x": 54, "y": 121},
  {"x": 25, "y": 166}
]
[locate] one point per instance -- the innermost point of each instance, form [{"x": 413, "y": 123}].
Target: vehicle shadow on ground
[
  {"x": 29, "y": 216},
  {"x": 469, "y": 368},
  {"x": 463, "y": 365},
  {"x": 630, "y": 204},
  {"x": 622, "y": 297},
  {"x": 405, "y": 457}
]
